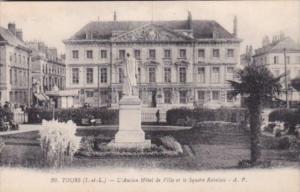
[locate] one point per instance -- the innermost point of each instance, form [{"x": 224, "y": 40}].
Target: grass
[{"x": 22, "y": 150}]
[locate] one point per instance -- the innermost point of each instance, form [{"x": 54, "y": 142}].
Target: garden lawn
[{"x": 202, "y": 150}]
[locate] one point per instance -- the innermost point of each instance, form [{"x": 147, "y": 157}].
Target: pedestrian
[{"x": 157, "y": 116}]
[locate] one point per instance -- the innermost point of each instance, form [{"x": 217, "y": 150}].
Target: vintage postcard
[{"x": 150, "y": 96}]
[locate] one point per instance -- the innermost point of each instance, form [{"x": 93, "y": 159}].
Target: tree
[
  {"x": 296, "y": 83},
  {"x": 257, "y": 85}
]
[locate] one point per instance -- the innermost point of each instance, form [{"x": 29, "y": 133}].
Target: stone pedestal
[{"x": 130, "y": 133}]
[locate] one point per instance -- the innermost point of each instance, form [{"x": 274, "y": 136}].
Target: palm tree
[{"x": 256, "y": 84}]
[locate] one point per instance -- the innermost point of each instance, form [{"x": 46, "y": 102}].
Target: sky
[{"x": 53, "y": 22}]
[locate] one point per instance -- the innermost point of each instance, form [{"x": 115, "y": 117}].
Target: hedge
[
  {"x": 289, "y": 116},
  {"x": 6, "y": 112},
  {"x": 236, "y": 115},
  {"x": 108, "y": 116}
]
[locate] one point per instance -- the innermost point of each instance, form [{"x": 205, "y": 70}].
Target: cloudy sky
[{"x": 52, "y": 22}]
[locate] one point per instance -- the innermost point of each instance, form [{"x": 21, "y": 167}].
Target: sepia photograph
[{"x": 150, "y": 96}]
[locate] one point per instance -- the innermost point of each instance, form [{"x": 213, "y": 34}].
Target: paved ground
[{"x": 22, "y": 129}]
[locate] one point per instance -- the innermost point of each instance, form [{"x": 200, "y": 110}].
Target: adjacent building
[
  {"x": 181, "y": 63},
  {"x": 15, "y": 68},
  {"x": 48, "y": 71},
  {"x": 281, "y": 56}
]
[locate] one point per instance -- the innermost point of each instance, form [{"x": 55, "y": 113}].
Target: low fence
[
  {"x": 150, "y": 116},
  {"x": 20, "y": 117}
]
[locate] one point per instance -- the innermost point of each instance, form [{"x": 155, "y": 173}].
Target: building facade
[
  {"x": 48, "y": 70},
  {"x": 181, "y": 63},
  {"x": 15, "y": 68},
  {"x": 281, "y": 55}
]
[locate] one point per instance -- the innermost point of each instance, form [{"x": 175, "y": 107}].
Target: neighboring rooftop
[
  {"x": 12, "y": 36},
  {"x": 277, "y": 45}
]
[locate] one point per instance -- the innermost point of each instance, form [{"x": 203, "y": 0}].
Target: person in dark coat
[{"x": 157, "y": 116}]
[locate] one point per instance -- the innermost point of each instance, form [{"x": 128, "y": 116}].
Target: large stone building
[
  {"x": 15, "y": 80},
  {"x": 48, "y": 70},
  {"x": 273, "y": 53},
  {"x": 181, "y": 63}
]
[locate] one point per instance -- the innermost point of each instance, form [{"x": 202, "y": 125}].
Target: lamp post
[{"x": 286, "y": 83}]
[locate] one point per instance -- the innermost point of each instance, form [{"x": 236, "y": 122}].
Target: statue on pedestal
[{"x": 130, "y": 76}]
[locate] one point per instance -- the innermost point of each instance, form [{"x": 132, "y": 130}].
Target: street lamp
[{"x": 286, "y": 83}]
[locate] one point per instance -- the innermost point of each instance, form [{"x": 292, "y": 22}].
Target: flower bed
[{"x": 97, "y": 147}]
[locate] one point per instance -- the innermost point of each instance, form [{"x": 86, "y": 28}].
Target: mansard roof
[
  {"x": 278, "y": 46},
  {"x": 103, "y": 30},
  {"x": 8, "y": 37}
]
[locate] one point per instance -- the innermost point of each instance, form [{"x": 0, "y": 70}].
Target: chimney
[
  {"x": 115, "y": 16},
  {"x": 12, "y": 28},
  {"x": 189, "y": 20},
  {"x": 235, "y": 26},
  {"x": 19, "y": 34}
]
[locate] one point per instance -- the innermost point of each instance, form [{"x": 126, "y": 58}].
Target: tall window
[
  {"x": 121, "y": 54},
  {"x": 89, "y": 54},
  {"x": 275, "y": 59},
  {"x": 103, "y": 54},
  {"x": 167, "y": 53},
  {"x": 121, "y": 77},
  {"x": 182, "y": 53},
  {"x": 215, "y": 95},
  {"x": 215, "y": 78},
  {"x": 201, "y": 95},
  {"x": 183, "y": 96},
  {"x": 10, "y": 76},
  {"x": 89, "y": 75},
  {"x": 152, "y": 76},
  {"x": 152, "y": 54},
  {"x": 137, "y": 54},
  {"x": 167, "y": 74},
  {"x": 75, "y": 75},
  {"x": 75, "y": 54},
  {"x": 201, "y": 74},
  {"x": 139, "y": 75},
  {"x": 230, "y": 52},
  {"x": 229, "y": 74},
  {"x": 229, "y": 96},
  {"x": 201, "y": 53},
  {"x": 167, "y": 96},
  {"x": 216, "y": 53},
  {"x": 103, "y": 74},
  {"x": 182, "y": 74}
]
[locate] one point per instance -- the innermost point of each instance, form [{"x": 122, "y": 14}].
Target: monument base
[{"x": 130, "y": 133}]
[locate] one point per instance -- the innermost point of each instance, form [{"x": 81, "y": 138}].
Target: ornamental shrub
[
  {"x": 291, "y": 117},
  {"x": 58, "y": 143},
  {"x": 171, "y": 143},
  {"x": 4, "y": 112}
]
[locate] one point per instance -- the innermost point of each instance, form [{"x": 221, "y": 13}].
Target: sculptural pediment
[
  {"x": 151, "y": 62},
  {"x": 151, "y": 32},
  {"x": 182, "y": 62}
]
